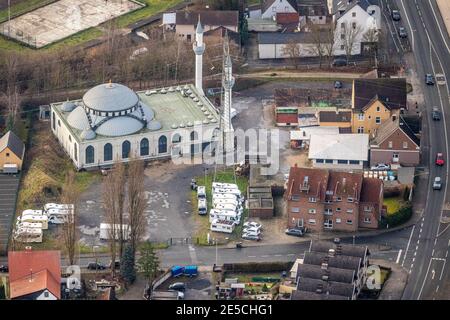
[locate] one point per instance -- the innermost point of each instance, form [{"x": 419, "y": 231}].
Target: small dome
[
  {"x": 189, "y": 124},
  {"x": 181, "y": 125},
  {"x": 178, "y": 88},
  {"x": 119, "y": 126},
  {"x": 205, "y": 121},
  {"x": 199, "y": 104},
  {"x": 174, "y": 126},
  {"x": 154, "y": 125},
  {"x": 189, "y": 91},
  {"x": 148, "y": 92},
  {"x": 192, "y": 96},
  {"x": 88, "y": 134},
  {"x": 203, "y": 109},
  {"x": 195, "y": 99},
  {"x": 163, "y": 91},
  {"x": 186, "y": 87},
  {"x": 206, "y": 113},
  {"x": 171, "y": 89},
  {"x": 68, "y": 106},
  {"x": 213, "y": 120},
  {"x": 210, "y": 117},
  {"x": 78, "y": 119}
]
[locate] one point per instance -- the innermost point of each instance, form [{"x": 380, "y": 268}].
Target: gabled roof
[
  {"x": 389, "y": 127},
  {"x": 31, "y": 271},
  {"x": 13, "y": 142},
  {"x": 209, "y": 18},
  {"x": 371, "y": 189},
  {"x": 345, "y": 184},
  {"x": 307, "y": 295},
  {"x": 333, "y": 116},
  {"x": 315, "y": 178},
  {"x": 337, "y": 261},
  {"x": 326, "y": 287},
  {"x": 341, "y": 249},
  {"x": 346, "y": 5},
  {"x": 391, "y": 92},
  {"x": 333, "y": 274},
  {"x": 267, "y": 3}
]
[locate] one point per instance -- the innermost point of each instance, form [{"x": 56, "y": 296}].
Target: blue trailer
[
  {"x": 190, "y": 271},
  {"x": 177, "y": 271}
]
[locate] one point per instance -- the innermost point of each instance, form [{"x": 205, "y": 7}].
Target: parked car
[
  {"x": 439, "y": 159},
  {"x": 295, "y": 232},
  {"x": 178, "y": 286},
  {"x": 338, "y": 85},
  {"x": 437, "y": 184},
  {"x": 253, "y": 224},
  {"x": 402, "y": 32},
  {"x": 96, "y": 266},
  {"x": 252, "y": 230},
  {"x": 436, "y": 114},
  {"x": 429, "y": 79},
  {"x": 248, "y": 236},
  {"x": 380, "y": 166},
  {"x": 339, "y": 62},
  {"x": 396, "y": 15},
  {"x": 4, "y": 268}
]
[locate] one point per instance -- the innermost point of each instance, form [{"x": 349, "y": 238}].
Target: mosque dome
[{"x": 110, "y": 97}]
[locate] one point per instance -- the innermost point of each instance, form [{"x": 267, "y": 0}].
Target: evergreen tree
[{"x": 127, "y": 270}]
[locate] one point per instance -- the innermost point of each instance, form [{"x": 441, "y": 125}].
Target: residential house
[
  {"x": 356, "y": 27},
  {"x": 184, "y": 22},
  {"x": 269, "y": 8},
  {"x": 394, "y": 142},
  {"x": 331, "y": 271},
  {"x": 312, "y": 11},
  {"x": 12, "y": 150},
  {"x": 341, "y": 151},
  {"x": 331, "y": 200},
  {"x": 221, "y": 32},
  {"x": 35, "y": 275},
  {"x": 288, "y": 21},
  {"x": 375, "y": 101},
  {"x": 338, "y": 118}
]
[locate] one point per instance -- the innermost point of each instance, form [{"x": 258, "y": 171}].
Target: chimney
[{"x": 331, "y": 252}]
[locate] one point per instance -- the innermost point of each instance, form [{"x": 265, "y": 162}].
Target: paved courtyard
[{"x": 62, "y": 19}]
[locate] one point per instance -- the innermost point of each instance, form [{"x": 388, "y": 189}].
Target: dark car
[
  {"x": 435, "y": 114},
  {"x": 402, "y": 32},
  {"x": 96, "y": 266},
  {"x": 429, "y": 79},
  {"x": 396, "y": 15},
  {"x": 295, "y": 232},
  {"x": 4, "y": 268},
  {"x": 339, "y": 62},
  {"x": 338, "y": 85},
  {"x": 178, "y": 286}
]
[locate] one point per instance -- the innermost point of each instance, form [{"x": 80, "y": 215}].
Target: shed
[{"x": 12, "y": 150}]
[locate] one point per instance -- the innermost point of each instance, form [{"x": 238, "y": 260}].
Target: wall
[
  {"x": 370, "y": 115},
  {"x": 304, "y": 205},
  {"x": 277, "y": 7},
  {"x": 335, "y": 165},
  {"x": 406, "y": 158},
  {"x": 11, "y": 159},
  {"x": 276, "y": 51},
  {"x": 184, "y": 30}
]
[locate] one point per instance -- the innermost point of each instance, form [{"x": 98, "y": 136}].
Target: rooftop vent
[
  {"x": 325, "y": 278},
  {"x": 324, "y": 266},
  {"x": 331, "y": 252}
]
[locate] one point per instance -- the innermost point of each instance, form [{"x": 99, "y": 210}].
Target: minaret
[
  {"x": 227, "y": 84},
  {"x": 199, "y": 47}
]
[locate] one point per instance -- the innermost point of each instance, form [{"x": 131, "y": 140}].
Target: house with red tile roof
[{"x": 35, "y": 275}]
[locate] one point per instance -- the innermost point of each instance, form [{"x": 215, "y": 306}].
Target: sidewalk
[
  {"x": 444, "y": 8},
  {"x": 395, "y": 284}
]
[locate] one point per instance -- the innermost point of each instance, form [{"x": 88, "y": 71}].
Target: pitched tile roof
[
  {"x": 371, "y": 189},
  {"x": 345, "y": 184},
  {"x": 43, "y": 267},
  {"x": 326, "y": 287},
  {"x": 307, "y": 295},
  {"x": 333, "y": 116},
  {"x": 387, "y": 128},
  {"x": 337, "y": 261},
  {"x": 391, "y": 92},
  {"x": 315, "y": 180},
  {"x": 210, "y": 18},
  {"x": 13, "y": 142},
  {"x": 340, "y": 249},
  {"x": 333, "y": 274},
  {"x": 267, "y": 3}
]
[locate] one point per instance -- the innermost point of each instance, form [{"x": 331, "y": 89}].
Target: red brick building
[{"x": 330, "y": 200}]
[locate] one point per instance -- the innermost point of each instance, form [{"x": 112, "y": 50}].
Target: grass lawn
[
  {"x": 393, "y": 204},
  {"x": 202, "y": 222},
  {"x": 23, "y": 7}
]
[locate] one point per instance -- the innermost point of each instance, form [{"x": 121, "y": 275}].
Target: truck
[
  {"x": 190, "y": 271},
  {"x": 222, "y": 226},
  {"x": 105, "y": 231},
  {"x": 177, "y": 271},
  {"x": 202, "y": 206},
  {"x": 167, "y": 295}
]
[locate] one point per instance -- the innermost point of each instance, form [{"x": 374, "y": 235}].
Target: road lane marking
[
  {"x": 424, "y": 279},
  {"x": 399, "y": 255},
  {"x": 437, "y": 288},
  {"x": 439, "y": 26},
  {"x": 433, "y": 273},
  {"x": 407, "y": 246},
  {"x": 409, "y": 24}
]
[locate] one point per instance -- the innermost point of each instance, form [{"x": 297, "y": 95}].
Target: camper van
[
  {"x": 43, "y": 219},
  {"x": 105, "y": 231},
  {"x": 229, "y": 207},
  {"x": 201, "y": 192},
  {"x": 202, "y": 206},
  {"x": 62, "y": 206},
  {"x": 57, "y": 212},
  {"x": 236, "y": 192},
  {"x": 225, "y": 196},
  {"x": 32, "y": 212},
  {"x": 224, "y": 215},
  {"x": 58, "y": 218},
  {"x": 222, "y": 226},
  {"x": 36, "y": 225},
  {"x": 235, "y": 203},
  {"x": 224, "y": 185},
  {"x": 28, "y": 235}
]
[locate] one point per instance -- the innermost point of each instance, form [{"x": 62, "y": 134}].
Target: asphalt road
[{"x": 428, "y": 244}]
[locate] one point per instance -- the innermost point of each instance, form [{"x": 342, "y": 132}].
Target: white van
[
  {"x": 201, "y": 192},
  {"x": 222, "y": 226},
  {"x": 36, "y": 225},
  {"x": 230, "y": 207},
  {"x": 216, "y": 202},
  {"x": 227, "y": 216},
  {"x": 55, "y": 211},
  {"x": 32, "y": 212},
  {"x": 105, "y": 231},
  {"x": 43, "y": 219},
  {"x": 28, "y": 235},
  {"x": 202, "y": 206},
  {"x": 48, "y": 206},
  {"x": 224, "y": 185}
]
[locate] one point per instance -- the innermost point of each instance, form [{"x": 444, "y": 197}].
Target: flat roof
[{"x": 352, "y": 146}]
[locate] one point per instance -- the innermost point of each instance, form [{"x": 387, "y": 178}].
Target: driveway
[{"x": 9, "y": 185}]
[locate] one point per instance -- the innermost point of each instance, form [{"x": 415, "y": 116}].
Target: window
[
  {"x": 329, "y": 161},
  {"x": 319, "y": 160},
  {"x": 75, "y": 151},
  {"x": 328, "y": 212},
  {"x": 144, "y": 147},
  {"x": 338, "y": 199},
  {"x": 350, "y": 199},
  {"x": 312, "y": 211},
  {"x": 390, "y": 144},
  {"x": 46, "y": 294},
  {"x": 90, "y": 155},
  {"x": 328, "y": 224},
  {"x": 342, "y": 47},
  {"x": 312, "y": 199},
  {"x": 360, "y": 129},
  {"x": 353, "y": 14},
  {"x": 126, "y": 146},
  {"x": 342, "y": 161},
  {"x": 342, "y": 36},
  {"x": 176, "y": 138},
  {"x": 7, "y": 154},
  {"x": 349, "y": 222},
  {"x": 366, "y": 220},
  {"x": 343, "y": 25},
  {"x": 405, "y": 145},
  {"x": 360, "y": 116},
  {"x": 59, "y": 123},
  {"x": 295, "y": 197},
  {"x": 107, "y": 152},
  {"x": 349, "y": 210},
  {"x": 377, "y": 120},
  {"x": 338, "y": 220},
  {"x": 162, "y": 144},
  {"x": 378, "y": 109},
  {"x": 312, "y": 221},
  {"x": 354, "y": 25},
  {"x": 70, "y": 138},
  {"x": 194, "y": 136},
  {"x": 354, "y": 162},
  {"x": 295, "y": 209},
  {"x": 338, "y": 209},
  {"x": 53, "y": 120},
  {"x": 367, "y": 208}
]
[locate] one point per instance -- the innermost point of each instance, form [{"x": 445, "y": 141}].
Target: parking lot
[
  {"x": 199, "y": 287},
  {"x": 8, "y": 190}
]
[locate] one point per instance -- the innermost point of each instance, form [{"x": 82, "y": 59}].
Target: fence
[{"x": 18, "y": 35}]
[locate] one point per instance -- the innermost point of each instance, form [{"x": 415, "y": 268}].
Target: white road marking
[
  {"x": 409, "y": 24},
  {"x": 439, "y": 26},
  {"x": 399, "y": 255},
  {"x": 407, "y": 246},
  {"x": 424, "y": 279},
  {"x": 437, "y": 288}
]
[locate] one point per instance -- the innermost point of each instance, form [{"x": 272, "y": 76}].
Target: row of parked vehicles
[{"x": 31, "y": 223}]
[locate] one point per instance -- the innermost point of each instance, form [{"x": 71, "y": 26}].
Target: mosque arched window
[
  {"x": 162, "y": 144},
  {"x": 90, "y": 154},
  {"x": 144, "y": 147},
  {"x": 107, "y": 152},
  {"x": 126, "y": 146}
]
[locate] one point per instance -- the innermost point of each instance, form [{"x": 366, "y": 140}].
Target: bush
[
  {"x": 258, "y": 267},
  {"x": 399, "y": 217}
]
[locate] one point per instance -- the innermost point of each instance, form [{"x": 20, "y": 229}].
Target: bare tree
[
  {"x": 70, "y": 195},
  {"x": 330, "y": 41},
  {"x": 292, "y": 51},
  {"x": 11, "y": 95},
  {"x": 351, "y": 32},
  {"x": 137, "y": 203},
  {"x": 319, "y": 39}
]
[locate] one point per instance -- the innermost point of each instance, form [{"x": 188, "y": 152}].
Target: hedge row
[
  {"x": 399, "y": 217},
  {"x": 258, "y": 267}
]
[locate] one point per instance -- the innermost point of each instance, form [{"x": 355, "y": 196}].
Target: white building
[
  {"x": 342, "y": 151},
  {"x": 113, "y": 123},
  {"x": 270, "y": 8}
]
